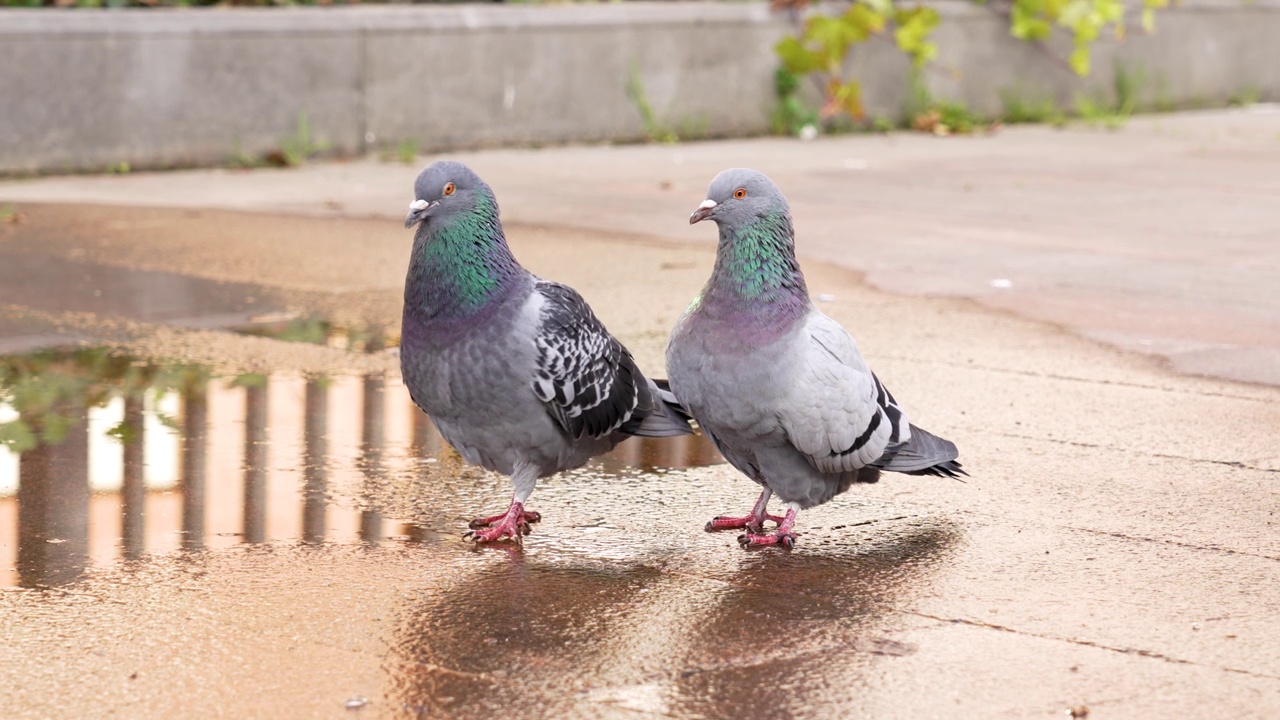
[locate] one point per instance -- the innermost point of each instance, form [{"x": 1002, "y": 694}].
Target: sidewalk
[
  {"x": 1156, "y": 239},
  {"x": 1117, "y": 547}
]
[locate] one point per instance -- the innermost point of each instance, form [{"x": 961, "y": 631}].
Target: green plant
[
  {"x": 240, "y": 159},
  {"x": 790, "y": 115},
  {"x": 1021, "y": 107},
  {"x": 882, "y": 124},
  {"x": 654, "y": 129},
  {"x": 822, "y": 43},
  {"x": 693, "y": 128},
  {"x": 298, "y": 147},
  {"x": 921, "y": 111},
  {"x": 1115, "y": 112},
  {"x": 1247, "y": 95},
  {"x": 1164, "y": 101},
  {"x": 407, "y": 151},
  {"x": 1127, "y": 85}
]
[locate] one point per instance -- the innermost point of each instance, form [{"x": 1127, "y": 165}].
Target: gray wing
[
  {"x": 584, "y": 376},
  {"x": 837, "y": 414}
]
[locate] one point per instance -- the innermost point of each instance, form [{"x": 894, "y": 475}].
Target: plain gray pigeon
[
  {"x": 780, "y": 387},
  {"x": 516, "y": 372}
]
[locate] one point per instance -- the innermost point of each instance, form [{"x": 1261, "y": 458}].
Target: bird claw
[
  {"x": 515, "y": 531},
  {"x": 785, "y": 538},
  {"x": 514, "y": 524},
  {"x": 750, "y": 523},
  {"x": 526, "y": 517}
]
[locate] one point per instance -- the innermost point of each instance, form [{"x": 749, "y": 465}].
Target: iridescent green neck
[
  {"x": 461, "y": 264},
  {"x": 757, "y": 263}
]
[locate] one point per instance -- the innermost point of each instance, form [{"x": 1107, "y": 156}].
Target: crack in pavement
[
  {"x": 1089, "y": 643},
  {"x": 1239, "y": 465},
  {"x": 1189, "y": 546}
]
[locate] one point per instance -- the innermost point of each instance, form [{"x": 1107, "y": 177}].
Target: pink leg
[
  {"x": 514, "y": 523},
  {"x": 753, "y": 522},
  {"x": 782, "y": 536}
]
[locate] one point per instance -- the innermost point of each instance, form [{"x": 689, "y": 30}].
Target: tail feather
[
  {"x": 668, "y": 419},
  {"x": 669, "y": 398},
  {"x": 923, "y": 454}
]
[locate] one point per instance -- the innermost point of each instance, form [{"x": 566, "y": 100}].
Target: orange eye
[
  {"x": 740, "y": 193},
  {"x": 449, "y": 188}
]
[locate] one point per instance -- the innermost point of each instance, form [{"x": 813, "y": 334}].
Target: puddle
[
  {"x": 107, "y": 458},
  {"x": 56, "y": 284},
  {"x": 317, "y": 330}
]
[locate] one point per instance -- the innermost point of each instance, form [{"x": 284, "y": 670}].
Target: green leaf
[
  {"x": 864, "y": 21},
  {"x": 1027, "y": 24},
  {"x": 1148, "y": 20},
  {"x": 833, "y": 37},
  {"x": 1080, "y": 60},
  {"x": 796, "y": 58},
  {"x": 17, "y": 436},
  {"x": 55, "y": 428},
  {"x": 848, "y": 97},
  {"x": 914, "y": 27}
]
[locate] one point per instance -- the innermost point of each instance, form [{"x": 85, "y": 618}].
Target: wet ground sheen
[{"x": 216, "y": 499}]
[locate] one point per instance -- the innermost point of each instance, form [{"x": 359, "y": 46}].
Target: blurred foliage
[
  {"x": 791, "y": 115},
  {"x": 1114, "y": 111},
  {"x": 166, "y": 3},
  {"x": 1020, "y": 106},
  {"x": 298, "y": 147},
  {"x": 923, "y": 112},
  {"x": 317, "y": 330},
  {"x": 654, "y": 129},
  {"x": 823, "y": 42},
  {"x": 53, "y": 389}
]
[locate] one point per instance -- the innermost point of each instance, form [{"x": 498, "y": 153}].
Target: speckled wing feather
[
  {"x": 838, "y": 415},
  {"x": 584, "y": 375}
]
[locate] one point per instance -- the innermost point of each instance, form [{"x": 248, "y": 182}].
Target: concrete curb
[{"x": 90, "y": 89}]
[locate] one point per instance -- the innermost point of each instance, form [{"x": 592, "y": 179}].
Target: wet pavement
[{"x": 225, "y": 504}]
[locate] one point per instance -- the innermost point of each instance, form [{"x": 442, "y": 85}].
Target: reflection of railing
[
  {"x": 238, "y": 447},
  {"x": 228, "y": 491}
]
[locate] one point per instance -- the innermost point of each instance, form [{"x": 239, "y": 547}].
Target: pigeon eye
[
  {"x": 740, "y": 193},
  {"x": 449, "y": 188}
]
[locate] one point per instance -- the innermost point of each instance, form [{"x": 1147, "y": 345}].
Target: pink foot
[
  {"x": 753, "y": 522},
  {"x": 782, "y": 536},
  {"x": 527, "y": 516},
  {"x": 514, "y": 523}
]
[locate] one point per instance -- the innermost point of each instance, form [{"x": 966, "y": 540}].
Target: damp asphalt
[{"x": 216, "y": 498}]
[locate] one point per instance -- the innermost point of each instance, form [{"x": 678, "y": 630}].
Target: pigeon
[
  {"x": 780, "y": 387},
  {"x": 516, "y": 372}
]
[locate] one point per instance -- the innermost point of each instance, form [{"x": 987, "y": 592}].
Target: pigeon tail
[
  {"x": 669, "y": 398},
  {"x": 923, "y": 454},
  {"x": 669, "y": 419}
]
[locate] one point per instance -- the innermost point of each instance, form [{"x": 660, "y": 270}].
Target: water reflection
[
  {"x": 106, "y": 458},
  {"x": 664, "y": 637}
]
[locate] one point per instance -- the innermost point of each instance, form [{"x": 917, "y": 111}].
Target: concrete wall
[{"x": 87, "y": 89}]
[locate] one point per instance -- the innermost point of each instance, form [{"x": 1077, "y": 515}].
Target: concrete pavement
[
  {"x": 1157, "y": 239},
  {"x": 1116, "y": 551}
]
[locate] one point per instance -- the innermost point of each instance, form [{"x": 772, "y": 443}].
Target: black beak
[
  {"x": 703, "y": 212},
  {"x": 419, "y": 211}
]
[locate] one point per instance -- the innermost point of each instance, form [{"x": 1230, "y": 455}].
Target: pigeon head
[
  {"x": 756, "y": 259},
  {"x": 445, "y": 189},
  {"x": 738, "y": 197}
]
